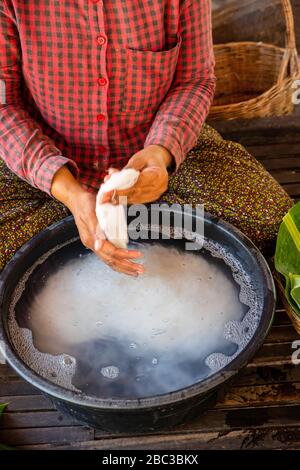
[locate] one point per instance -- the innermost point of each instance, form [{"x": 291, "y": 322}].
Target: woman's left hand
[{"x": 152, "y": 162}]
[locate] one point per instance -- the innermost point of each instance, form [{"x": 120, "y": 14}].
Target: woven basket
[
  {"x": 294, "y": 317},
  {"x": 255, "y": 79}
]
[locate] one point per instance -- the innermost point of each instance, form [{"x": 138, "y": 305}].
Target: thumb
[{"x": 137, "y": 162}]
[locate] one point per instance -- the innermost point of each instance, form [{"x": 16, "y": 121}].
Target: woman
[{"x": 93, "y": 84}]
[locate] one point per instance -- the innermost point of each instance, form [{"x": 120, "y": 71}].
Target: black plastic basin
[{"x": 144, "y": 414}]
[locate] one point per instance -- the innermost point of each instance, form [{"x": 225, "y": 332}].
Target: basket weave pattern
[{"x": 255, "y": 79}]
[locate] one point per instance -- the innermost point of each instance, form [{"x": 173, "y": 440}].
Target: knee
[{"x": 265, "y": 223}]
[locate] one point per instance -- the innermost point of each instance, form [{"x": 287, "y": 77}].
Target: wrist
[
  {"x": 65, "y": 188},
  {"x": 162, "y": 153}
]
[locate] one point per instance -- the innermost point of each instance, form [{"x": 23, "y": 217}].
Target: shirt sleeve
[
  {"x": 29, "y": 153},
  {"x": 179, "y": 119}
]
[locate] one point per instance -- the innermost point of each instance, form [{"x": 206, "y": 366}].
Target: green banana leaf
[
  {"x": 2, "y": 408},
  {"x": 3, "y": 447},
  {"x": 287, "y": 255},
  {"x": 295, "y": 287}
]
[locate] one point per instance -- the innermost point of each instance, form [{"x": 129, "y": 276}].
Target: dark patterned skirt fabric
[{"x": 218, "y": 173}]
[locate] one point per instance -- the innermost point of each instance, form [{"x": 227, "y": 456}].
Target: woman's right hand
[{"x": 82, "y": 204}]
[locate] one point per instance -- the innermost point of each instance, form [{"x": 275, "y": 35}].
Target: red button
[
  {"x": 101, "y": 40},
  {"x": 101, "y": 117},
  {"x": 102, "y": 81},
  {"x": 102, "y": 148}
]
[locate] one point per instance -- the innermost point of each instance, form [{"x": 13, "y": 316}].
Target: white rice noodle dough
[{"x": 111, "y": 217}]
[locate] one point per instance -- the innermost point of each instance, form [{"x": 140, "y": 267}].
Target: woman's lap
[{"x": 218, "y": 173}]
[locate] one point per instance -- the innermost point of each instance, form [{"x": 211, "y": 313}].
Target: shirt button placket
[{"x": 102, "y": 82}]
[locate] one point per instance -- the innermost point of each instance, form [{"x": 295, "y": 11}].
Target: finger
[
  {"x": 127, "y": 254},
  {"x": 143, "y": 195},
  {"x": 144, "y": 198},
  {"x": 152, "y": 183},
  {"x": 147, "y": 183},
  {"x": 127, "y": 267},
  {"x": 109, "y": 250},
  {"x": 148, "y": 180},
  {"x": 114, "y": 196},
  {"x": 106, "y": 197},
  {"x": 110, "y": 254},
  {"x": 124, "y": 270},
  {"x": 137, "y": 162},
  {"x": 123, "y": 265},
  {"x": 110, "y": 172},
  {"x": 119, "y": 253}
]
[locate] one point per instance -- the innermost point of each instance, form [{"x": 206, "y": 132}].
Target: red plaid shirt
[{"x": 88, "y": 83}]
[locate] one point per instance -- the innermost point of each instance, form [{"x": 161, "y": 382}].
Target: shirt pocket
[{"x": 149, "y": 76}]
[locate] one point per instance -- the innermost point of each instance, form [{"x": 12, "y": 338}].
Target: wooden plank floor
[{"x": 260, "y": 410}]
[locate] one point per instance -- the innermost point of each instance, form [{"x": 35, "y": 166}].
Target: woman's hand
[
  {"x": 82, "y": 205},
  {"x": 152, "y": 162}
]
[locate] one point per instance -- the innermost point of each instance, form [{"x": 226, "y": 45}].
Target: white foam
[
  {"x": 110, "y": 372},
  {"x": 182, "y": 303},
  {"x": 58, "y": 369},
  {"x": 86, "y": 293}
]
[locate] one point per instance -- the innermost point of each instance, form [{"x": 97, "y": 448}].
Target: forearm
[
  {"x": 26, "y": 150},
  {"x": 179, "y": 119},
  {"x": 65, "y": 188}
]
